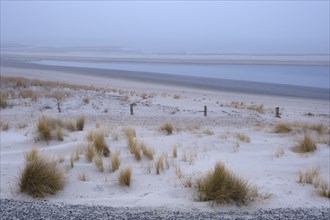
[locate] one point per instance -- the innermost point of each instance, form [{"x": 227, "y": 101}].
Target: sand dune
[{"x": 265, "y": 159}]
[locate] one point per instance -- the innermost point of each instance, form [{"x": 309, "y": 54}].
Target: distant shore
[{"x": 180, "y": 81}]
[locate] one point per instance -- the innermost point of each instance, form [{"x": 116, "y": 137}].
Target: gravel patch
[{"x": 16, "y": 209}]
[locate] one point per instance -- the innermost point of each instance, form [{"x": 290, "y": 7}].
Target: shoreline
[{"x": 204, "y": 83}]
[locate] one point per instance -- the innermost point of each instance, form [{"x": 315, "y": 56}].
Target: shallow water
[{"x": 301, "y": 75}]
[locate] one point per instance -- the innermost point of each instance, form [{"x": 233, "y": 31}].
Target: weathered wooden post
[
  {"x": 277, "y": 110},
  {"x": 58, "y": 107},
  {"x": 205, "y": 110},
  {"x": 131, "y": 108}
]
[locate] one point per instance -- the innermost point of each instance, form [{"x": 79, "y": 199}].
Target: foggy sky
[{"x": 171, "y": 26}]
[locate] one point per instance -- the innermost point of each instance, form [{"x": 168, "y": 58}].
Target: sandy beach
[{"x": 238, "y": 131}]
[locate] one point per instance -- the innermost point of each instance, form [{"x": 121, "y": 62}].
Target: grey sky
[{"x": 199, "y": 26}]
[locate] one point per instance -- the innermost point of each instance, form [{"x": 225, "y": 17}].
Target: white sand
[{"x": 254, "y": 161}]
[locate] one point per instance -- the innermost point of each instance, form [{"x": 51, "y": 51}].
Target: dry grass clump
[
  {"x": 40, "y": 176},
  {"x": 49, "y": 128},
  {"x": 97, "y": 138},
  {"x": 130, "y": 132},
  {"x": 83, "y": 177},
  {"x": 243, "y": 137},
  {"x": 80, "y": 123},
  {"x": 147, "y": 151},
  {"x": 258, "y": 108},
  {"x": 3, "y": 99},
  {"x": 222, "y": 186},
  {"x": 32, "y": 155},
  {"x": 176, "y": 96},
  {"x": 319, "y": 128},
  {"x": 28, "y": 93},
  {"x": 160, "y": 164},
  {"x": 175, "y": 152},
  {"x": 282, "y": 128},
  {"x": 208, "y": 132},
  {"x": 187, "y": 182},
  {"x": 167, "y": 127},
  {"x": 4, "y": 126},
  {"x": 71, "y": 125},
  {"x": 115, "y": 161},
  {"x": 324, "y": 190},
  {"x": 132, "y": 142},
  {"x": 305, "y": 145},
  {"x": 134, "y": 148},
  {"x": 237, "y": 104},
  {"x": 89, "y": 154},
  {"x": 59, "y": 134},
  {"x": 43, "y": 129},
  {"x": 310, "y": 176},
  {"x": 125, "y": 176}
]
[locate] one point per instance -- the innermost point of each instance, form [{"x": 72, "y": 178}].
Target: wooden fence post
[
  {"x": 205, "y": 110},
  {"x": 131, "y": 108},
  {"x": 277, "y": 110}
]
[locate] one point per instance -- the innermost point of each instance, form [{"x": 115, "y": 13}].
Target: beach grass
[
  {"x": 40, "y": 176},
  {"x": 222, "y": 186},
  {"x": 125, "y": 176},
  {"x": 305, "y": 145}
]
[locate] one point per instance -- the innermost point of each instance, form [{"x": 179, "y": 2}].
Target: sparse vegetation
[
  {"x": 89, "y": 154},
  {"x": 80, "y": 122},
  {"x": 59, "y": 133},
  {"x": 4, "y": 126},
  {"x": 305, "y": 145},
  {"x": 312, "y": 176},
  {"x": 167, "y": 127},
  {"x": 258, "y": 108},
  {"x": 40, "y": 176},
  {"x": 242, "y": 137},
  {"x": 125, "y": 176},
  {"x": 319, "y": 128},
  {"x": 175, "y": 152},
  {"x": 49, "y": 128},
  {"x": 3, "y": 99},
  {"x": 97, "y": 137},
  {"x": 147, "y": 151},
  {"x": 98, "y": 160},
  {"x": 160, "y": 164},
  {"x": 71, "y": 125},
  {"x": 222, "y": 186},
  {"x": 115, "y": 161},
  {"x": 186, "y": 182},
  {"x": 28, "y": 93},
  {"x": 208, "y": 132},
  {"x": 130, "y": 132},
  {"x": 32, "y": 155},
  {"x": 279, "y": 152},
  {"x": 282, "y": 128},
  {"x": 43, "y": 130},
  {"x": 324, "y": 190},
  {"x": 236, "y": 147},
  {"x": 83, "y": 177}
]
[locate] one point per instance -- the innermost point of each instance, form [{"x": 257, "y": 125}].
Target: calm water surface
[{"x": 303, "y": 75}]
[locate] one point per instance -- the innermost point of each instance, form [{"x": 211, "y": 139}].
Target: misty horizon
[{"x": 293, "y": 27}]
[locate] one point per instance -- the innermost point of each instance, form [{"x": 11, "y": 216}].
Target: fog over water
[{"x": 171, "y": 26}]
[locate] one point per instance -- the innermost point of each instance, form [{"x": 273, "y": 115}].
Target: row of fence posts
[{"x": 277, "y": 110}]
